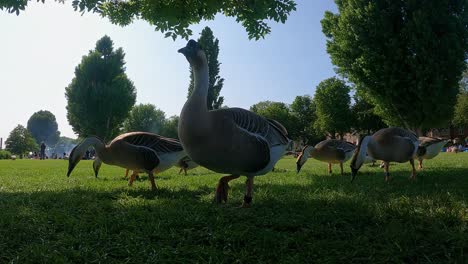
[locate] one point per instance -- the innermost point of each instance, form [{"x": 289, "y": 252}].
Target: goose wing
[
  {"x": 427, "y": 141},
  {"x": 335, "y": 149},
  {"x": 155, "y": 142},
  {"x": 270, "y": 130},
  {"x": 345, "y": 146}
]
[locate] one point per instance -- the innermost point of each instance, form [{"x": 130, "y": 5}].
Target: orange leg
[
  {"x": 126, "y": 173},
  {"x": 413, "y": 172},
  {"x": 151, "y": 178},
  {"x": 420, "y": 164},
  {"x": 132, "y": 177},
  {"x": 248, "y": 194},
  {"x": 387, "y": 174},
  {"x": 223, "y": 188}
]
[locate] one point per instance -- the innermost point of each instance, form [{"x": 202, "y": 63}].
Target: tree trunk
[{"x": 451, "y": 132}]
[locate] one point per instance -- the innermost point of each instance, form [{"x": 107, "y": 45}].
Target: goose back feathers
[{"x": 241, "y": 142}]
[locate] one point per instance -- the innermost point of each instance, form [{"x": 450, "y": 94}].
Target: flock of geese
[{"x": 236, "y": 142}]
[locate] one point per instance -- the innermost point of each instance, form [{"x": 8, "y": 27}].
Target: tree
[
  {"x": 278, "y": 111},
  {"x": 461, "y": 110},
  {"x": 405, "y": 56},
  {"x": 20, "y": 141},
  {"x": 211, "y": 47},
  {"x": 43, "y": 127},
  {"x": 364, "y": 117},
  {"x": 303, "y": 108},
  {"x": 173, "y": 17},
  {"x": 171, "y": 127},
  {"x": 145, "y": 118},
  {"x": 100, "y": 95},
  {"x": 464, "y": 80},
  {"x": 333, "y": 102},
  {"x": 460, "y": 117}
]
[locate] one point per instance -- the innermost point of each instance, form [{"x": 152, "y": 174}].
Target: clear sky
[{"x": 42, "y": 46}]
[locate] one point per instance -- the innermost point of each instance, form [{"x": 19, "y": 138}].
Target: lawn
[{"x": 312, "y": 217}]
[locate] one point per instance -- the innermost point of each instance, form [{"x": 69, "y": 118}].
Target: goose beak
[{"x": 183, "y": 51}]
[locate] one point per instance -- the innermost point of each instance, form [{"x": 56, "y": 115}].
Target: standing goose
[
  {"x": 138, "y": 151},
  {"x": 429, "y": 147},
  {"x": 392, "y": 144},
  {"x": 233, "y": 141},
  {"x": 330, "y": 151}
]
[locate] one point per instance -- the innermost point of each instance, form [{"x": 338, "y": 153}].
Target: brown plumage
[
  {"x": 138, "y": 151},
  {"x": 329, "y": 151},
  {"x": 233, "y": 141},
  {"x": 392, "y": 144},
  {"x": 429, "y": 148}
]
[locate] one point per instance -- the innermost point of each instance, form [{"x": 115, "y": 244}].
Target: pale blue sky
[{"x": 41, "y": 47}]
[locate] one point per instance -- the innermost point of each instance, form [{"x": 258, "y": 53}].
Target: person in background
[{"x": 43, "y": 147}]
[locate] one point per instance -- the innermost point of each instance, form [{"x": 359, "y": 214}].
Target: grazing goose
[
  {"x": 185, "y": 164},
  {"x": 392, "y": 144},
  {"x": 330, "y": 151},
  {"x": 138, "y": 151},
  {"x": 233, "y": 140},
  {"x": 429, "y": 147}
]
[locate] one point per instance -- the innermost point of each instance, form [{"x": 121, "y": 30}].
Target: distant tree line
[{"x": 330, "y": 113}]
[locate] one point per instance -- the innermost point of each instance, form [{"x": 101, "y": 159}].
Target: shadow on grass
[{"x": 376, "y": 223}]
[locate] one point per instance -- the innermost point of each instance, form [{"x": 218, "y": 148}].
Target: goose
[
  {"x": 138, "y": 151},
  {"x": 185, "y": 164},
  {"x": 232, "y": 141},
  {"x": 429, "y": 147},
  {"x": 392, "y": 144},
  {"x": 330, "y": 151}
]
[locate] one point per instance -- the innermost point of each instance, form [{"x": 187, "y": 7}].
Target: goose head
[
  {"x": 80, "y": 149},
  {"x": 302, "y": 158},
  {"x": 75, "y": 157},
  {"x": 359, "y": 156},
  {"x": 194, "y": 54}
]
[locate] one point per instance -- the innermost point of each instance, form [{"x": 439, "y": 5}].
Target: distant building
[{"x": 451, "y": 132}]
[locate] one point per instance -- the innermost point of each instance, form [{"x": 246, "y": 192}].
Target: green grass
[{"x": 312, "y": 217}]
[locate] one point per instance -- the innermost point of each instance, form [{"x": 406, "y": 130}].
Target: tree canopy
[
  {"x": 461, "y": 110},
  {"x": 405, "y": 56},
  {"x": 278, "y": 111},
  {"x": 173, "y": 17},
  {"x": 215, "y": 83},
  {"x": 460, "y": 117},
  {"x": 145, "y": 118},
  {"x": 303, "y": 108},
  {"x": 100, "y": 95},
  {"x": 43, "y": 127},
  {"x": 171, "y": 127},
  {"x": 20, "y": 141},
  {"x": 364, "y": 117},
  {"x": 333, "y": 102}
]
